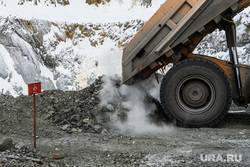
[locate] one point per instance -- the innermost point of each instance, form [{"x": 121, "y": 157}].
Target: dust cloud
[{"x": 132, "y": 106}]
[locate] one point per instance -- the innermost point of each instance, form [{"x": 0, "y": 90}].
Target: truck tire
[{"x": 196, "y": 93}]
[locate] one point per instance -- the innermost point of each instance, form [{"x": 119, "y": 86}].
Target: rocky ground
[{"x": 76, "y": 128}]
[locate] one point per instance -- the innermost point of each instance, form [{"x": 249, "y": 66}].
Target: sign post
[{"x": 34, "y": 88}]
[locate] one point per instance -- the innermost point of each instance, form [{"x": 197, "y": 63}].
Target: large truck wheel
[{"x": 196, "y": 93}]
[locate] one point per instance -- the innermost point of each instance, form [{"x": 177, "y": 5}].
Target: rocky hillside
[
  {"x": 215, "y": 44},
  {"x": 70, "y": 56},
  {"x": 54, "y": 53}
]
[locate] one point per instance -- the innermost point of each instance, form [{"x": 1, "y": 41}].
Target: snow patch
[{"x": 14, "y": 83}]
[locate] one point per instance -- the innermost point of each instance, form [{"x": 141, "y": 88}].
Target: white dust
[{"x": 132, "y": 99}]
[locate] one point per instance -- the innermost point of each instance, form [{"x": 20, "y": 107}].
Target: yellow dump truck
[{"x": 198, "y": 90}]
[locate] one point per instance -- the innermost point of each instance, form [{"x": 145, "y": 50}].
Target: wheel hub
[{"x": 195, "y": 93}]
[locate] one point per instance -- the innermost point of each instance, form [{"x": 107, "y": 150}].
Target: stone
[
  {"x": 86, "y": 120},
  {"x": 77, "y": 118},
  {"x": 57, "y": 120},
  {"x": 65, "y": 127},
  {"x": 50, "y": 114},
  {"x": 20, "y": 145},
  {"x": 89, "y": 122},
  {"x": 6, "y": 144},
  {"x": 110, "y": 108},
  {"x": 104, "y": 131},
  {"x": 79, "y": 109},
  {"x": 97, "y": 127},
  {"x": 79, "y": 124},
  {"x": 69, "y": 110},
  {"x": 74, "y": 130},
  {"x": 94, "y": 111},
  {"x": 53, "y": 164}
]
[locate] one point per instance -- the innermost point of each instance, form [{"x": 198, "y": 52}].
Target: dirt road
[{"x": 227, "y": 144}]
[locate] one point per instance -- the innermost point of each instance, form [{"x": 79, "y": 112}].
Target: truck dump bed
[{"x": 176, "y": 28}]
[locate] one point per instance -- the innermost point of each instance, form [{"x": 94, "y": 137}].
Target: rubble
[
  {"x": 21, "y": 155},
  {"x": 79, "y": 112},
  {"x": 82, "y": 111}
]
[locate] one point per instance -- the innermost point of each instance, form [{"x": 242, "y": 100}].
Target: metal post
[
  {"x": 233, "y": 51},
  {"x": 34, "y": 107},
  {"x": 230, "y": 29}
]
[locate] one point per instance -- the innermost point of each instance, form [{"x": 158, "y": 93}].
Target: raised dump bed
[{"x": 176, "y": 28}]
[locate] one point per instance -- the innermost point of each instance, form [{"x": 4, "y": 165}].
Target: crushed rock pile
[
  {"x": 73, "y": 111},
  {"x": 83, "y": 111}
]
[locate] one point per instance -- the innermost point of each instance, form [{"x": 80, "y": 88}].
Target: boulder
[{"x": 6, "y": 144}]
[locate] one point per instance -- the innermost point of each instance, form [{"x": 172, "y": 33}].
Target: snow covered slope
[
  {"x": 215, "y": 44},
  {"x": 67, "y": 46}
]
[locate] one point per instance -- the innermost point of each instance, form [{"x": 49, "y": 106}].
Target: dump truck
[{"x": 198, "y": 90}]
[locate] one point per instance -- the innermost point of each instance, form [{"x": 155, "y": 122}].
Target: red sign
[{"x": 35, "y": 88}]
